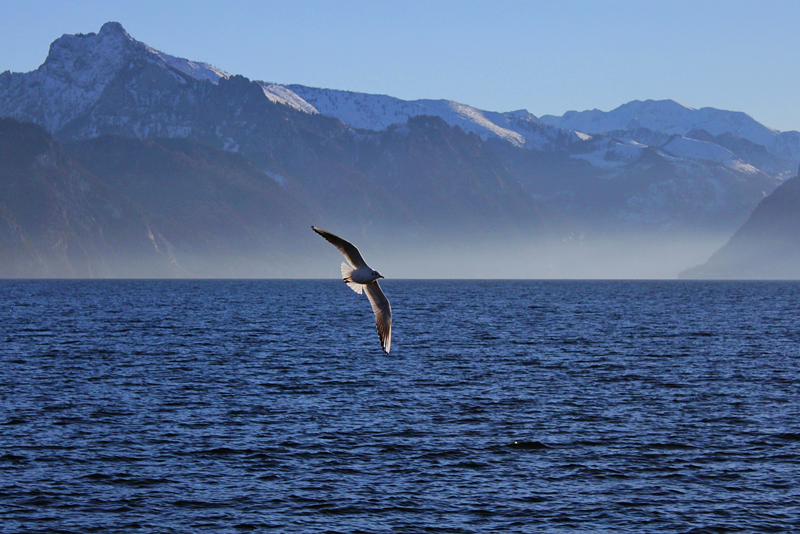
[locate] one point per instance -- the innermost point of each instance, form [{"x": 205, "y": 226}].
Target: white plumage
[{"x": 361, "y": 277}]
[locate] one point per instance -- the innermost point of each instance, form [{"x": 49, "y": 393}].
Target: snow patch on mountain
[
  {"x": 282, "y": 95},
  {"x": 359, "y": 110},
  {"x": 612, "y": 153},
  {"x": 379, "y": 112},
  {"x": 787, "y": 145},
  {"x": 683, "y": 147},
  {"x": 686, "y": 148},
  {"x": 194, "y": 69},
  {"x": 646, "y": 121},
  {"x": 665, "y": 116},
  {"x": 279, "y": 178}
]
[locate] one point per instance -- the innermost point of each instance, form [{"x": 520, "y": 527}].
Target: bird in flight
[{"x": 361, "y": 277}]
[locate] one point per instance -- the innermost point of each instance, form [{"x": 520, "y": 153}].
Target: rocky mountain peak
[
  {"x": 89, "y": 59},
  {"x": 78, "y": 70},
  {"x": 112, "y": 27}
]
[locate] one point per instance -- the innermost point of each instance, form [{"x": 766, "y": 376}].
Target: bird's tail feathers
[{"x": 347, "y": 273}]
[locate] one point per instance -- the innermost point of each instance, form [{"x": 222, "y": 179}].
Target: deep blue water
[{"x": 267, "y": 406}]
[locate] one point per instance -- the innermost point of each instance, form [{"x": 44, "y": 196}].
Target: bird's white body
[
  {"x": 356, "y": 279},
  {"x": 360, "y": 277},
  {"x": 364, "y": 275}
]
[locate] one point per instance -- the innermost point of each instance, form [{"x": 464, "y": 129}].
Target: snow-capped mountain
[
  {"x": 665, "y": 116},
  {"x": 686, "y": 148},
  {"x": 378, "y": 112},
  {"x": 617, "y": 152},
  {"x": 620, "y": 136},
  {"x": 77, "y": 70},
  {"x": 673, "y": 118},
  {"x": 379, "y": 162}
]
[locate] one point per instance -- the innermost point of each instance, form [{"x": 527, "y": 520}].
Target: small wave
[
  {"x": 670, "y": 446},
  {"x": 197, "y": 505},
  {"x": 14, "y": 421},
  {"x": 528, "y": 445}
]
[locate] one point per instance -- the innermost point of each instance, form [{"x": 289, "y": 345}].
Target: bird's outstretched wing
[
  {"x": 383, "y": 314},
  {"x": 349, "y": 250}
]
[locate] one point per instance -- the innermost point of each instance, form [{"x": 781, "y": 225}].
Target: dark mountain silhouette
[
  {"x": 767, "y": 246},
  {"x": 223, "y": 217},
  {"x": 58, "y": 220}
]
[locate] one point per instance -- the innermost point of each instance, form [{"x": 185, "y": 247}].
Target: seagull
[{"x": 360, "y": 277}]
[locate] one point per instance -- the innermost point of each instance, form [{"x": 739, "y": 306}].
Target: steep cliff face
[
  {"x": 57, "y": 219},
  {"x": 452, "y": 181},
  {"x": 767, "y": 246},
  {"x": 78, "y": 71},
  {"x": 223, "y": 217}
]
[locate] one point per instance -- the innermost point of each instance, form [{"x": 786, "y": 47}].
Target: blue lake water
[{"x": 505, "y": 406}]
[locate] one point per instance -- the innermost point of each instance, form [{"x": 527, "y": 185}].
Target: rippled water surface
[{"x": 267, "y": 406}]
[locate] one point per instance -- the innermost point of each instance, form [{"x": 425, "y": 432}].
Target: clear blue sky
[{"x": 546, "y": 57}]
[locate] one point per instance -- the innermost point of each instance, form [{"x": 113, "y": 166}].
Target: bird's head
[{"x": 376, "y": 275}]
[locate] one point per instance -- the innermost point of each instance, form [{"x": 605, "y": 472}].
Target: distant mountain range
[{"x": 218, "y": 175}]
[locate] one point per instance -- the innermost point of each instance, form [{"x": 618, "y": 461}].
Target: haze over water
[{"x": 509, "y": 406}]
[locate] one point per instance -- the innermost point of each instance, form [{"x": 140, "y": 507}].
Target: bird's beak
[{"x": 379, "y": 276}]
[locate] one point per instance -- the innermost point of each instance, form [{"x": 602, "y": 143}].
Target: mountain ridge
[
  {"x": 766, "y": 246},
  {"x": 671, "y": 117},
  {"x": 112, "y": 46},
  {"x": 428, "y": 170},
  {"x": 58, "y": 220}
]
